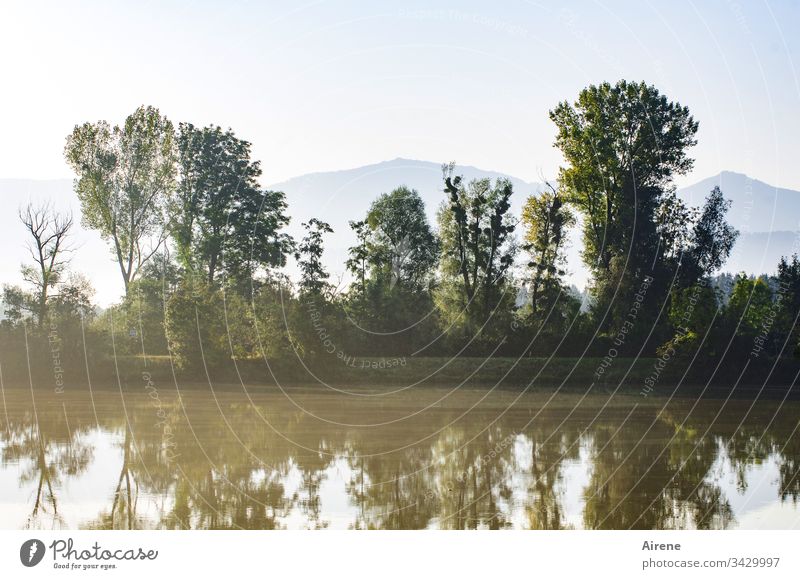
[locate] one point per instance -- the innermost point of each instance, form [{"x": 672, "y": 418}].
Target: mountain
[
  {"x": 768, "y": 217},
  {"x": 756, "y": 207},
  {"x": 335, "y": 193},
  {"x": 342, "y": 196}
]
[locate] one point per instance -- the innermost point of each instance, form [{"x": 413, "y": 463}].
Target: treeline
[{"x": 201, "y": 250}]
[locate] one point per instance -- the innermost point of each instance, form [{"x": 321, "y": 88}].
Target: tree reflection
[
  {"x": 239, "y": 465},
  {"x": 47, "y": 452}
]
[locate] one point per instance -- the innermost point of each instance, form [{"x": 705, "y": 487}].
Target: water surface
[{"x": 433, "y": 458}]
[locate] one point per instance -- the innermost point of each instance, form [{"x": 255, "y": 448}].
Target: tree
[
  {"x": 74, "y": 298},
  {"x": 206, "y": 327},
  {"x": 786, "y": 325},
  {"x": 143, "y": 307},
  {"x": 477, "y": 250},
  {"x": 403, "y": 248},
  {"x": 393, "y": 264},
  {"x": 546, "y": 219},
  {"x": 125, "y": 183},
  {"x": 47, "y": 245},
  {"x": 358, "y": 262},
  {"x": 258, "y": 222},
  {"x": 692, "y": 314},
  {"x": 712, "y": 237},
  {"x": 623, "y": 145},
  {"x": 694, "y": 245},
  {"x": 223, "y": 221},
  {"x": 749, "y": 305},
  {"x": 313, "y": 276},
  {"x": 18, "y": 306}
]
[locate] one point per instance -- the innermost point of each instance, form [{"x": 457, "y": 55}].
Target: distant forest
[{"x": 201, "y": 249}]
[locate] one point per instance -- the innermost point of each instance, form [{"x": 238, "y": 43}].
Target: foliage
[
  {"x": 749, "y": 305},
  {"x": 222, "y": 221},
  {"x": 476, "y": 293},
  {"x": 313, "y": 276},
  {"x": 125, "y": 183},
  {"x": 393, "y": 264},
  {"x": 623, "y": 145},
  {"x": 221, "y": 298},
  {"x": 546, "y": 219},
  {"x": 786, "y": 325},
  {"x": 206, "y": 328},
  {"x": 403, "y": 249}
]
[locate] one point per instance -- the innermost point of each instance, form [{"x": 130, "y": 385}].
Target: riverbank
[{"x": 644, "y": 377}]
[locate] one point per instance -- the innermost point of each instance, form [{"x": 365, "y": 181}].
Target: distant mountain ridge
[
  {"x": 768, "y": 217},
  {"x": 342, "y": 196},
  {"x": 335, "y": 191},
  {"x": 756, "y": 207}
]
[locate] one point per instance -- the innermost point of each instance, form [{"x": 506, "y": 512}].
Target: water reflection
[{"x": 241, "y": 461}]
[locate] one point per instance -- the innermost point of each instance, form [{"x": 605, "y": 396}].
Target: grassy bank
[{"x": 626, "y": 375}]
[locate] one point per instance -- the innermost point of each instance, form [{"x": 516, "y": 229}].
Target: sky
[{"x": 329, "y": 85}]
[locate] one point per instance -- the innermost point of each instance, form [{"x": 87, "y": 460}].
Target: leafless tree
[{"x": 48, "y": 247}]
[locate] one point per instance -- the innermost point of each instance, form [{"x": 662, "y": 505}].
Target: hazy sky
[{"x": 328, "y": 85}]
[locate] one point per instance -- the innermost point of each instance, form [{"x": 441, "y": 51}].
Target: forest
[{"x": 202, "y": 252}]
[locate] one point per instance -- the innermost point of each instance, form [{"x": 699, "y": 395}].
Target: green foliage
[
  {"x": 788, "y": 281},
  {"x": 125, "y": 183},
  {"x": 403, "y": 249},
  {"x": 414, "y": 290},
  {"x": 693, "y": 312},
  {"x": 313, "y": 276},
  {"x": 206, "y": 328},
  {"x": 73, "y": 299},
  {"x": 623, "y": 144},
  {"x": 476, "y": 294},
  {"x": 223, "y": 222},
  {"x": 359, "y": 261},
  {"x": 19, "y": 306},
  {"x": 546, "y": 219},
  {"x": 712, "y": 236},
  {"x": 274, "y": 311},
  {"x": 693, "y": 309},
  {"x": 392, "y": 265},
  {"x": 749, "y": 305},
  {"x": 142, "y": 310}
]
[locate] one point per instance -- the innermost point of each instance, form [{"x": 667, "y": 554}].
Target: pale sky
[{"x": 330, "y": 85}]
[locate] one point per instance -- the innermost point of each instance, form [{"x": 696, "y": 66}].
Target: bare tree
[{"x": 47, "y": 245}]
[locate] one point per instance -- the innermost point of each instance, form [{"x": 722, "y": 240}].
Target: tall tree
[
  {"x": 313, "y": 276},
  {"x": 125, "y": 183},
  {"x": 404, "y": 249},
  {"x": 478, "y": 251},
  {"x": 358, "y": 262},
  {"x": 546, "y": 219},
  {"x": 788, "y": 307},
  {"x": 712, "y": 236},
  {"x": 224, "y": 222},
  {"x": 623, "y": 145},
  {"x": 47, "y": 245},
  {"x": 692, "y": 240}
]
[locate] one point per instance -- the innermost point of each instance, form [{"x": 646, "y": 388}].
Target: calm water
[{"x": 310, "y": 458}]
